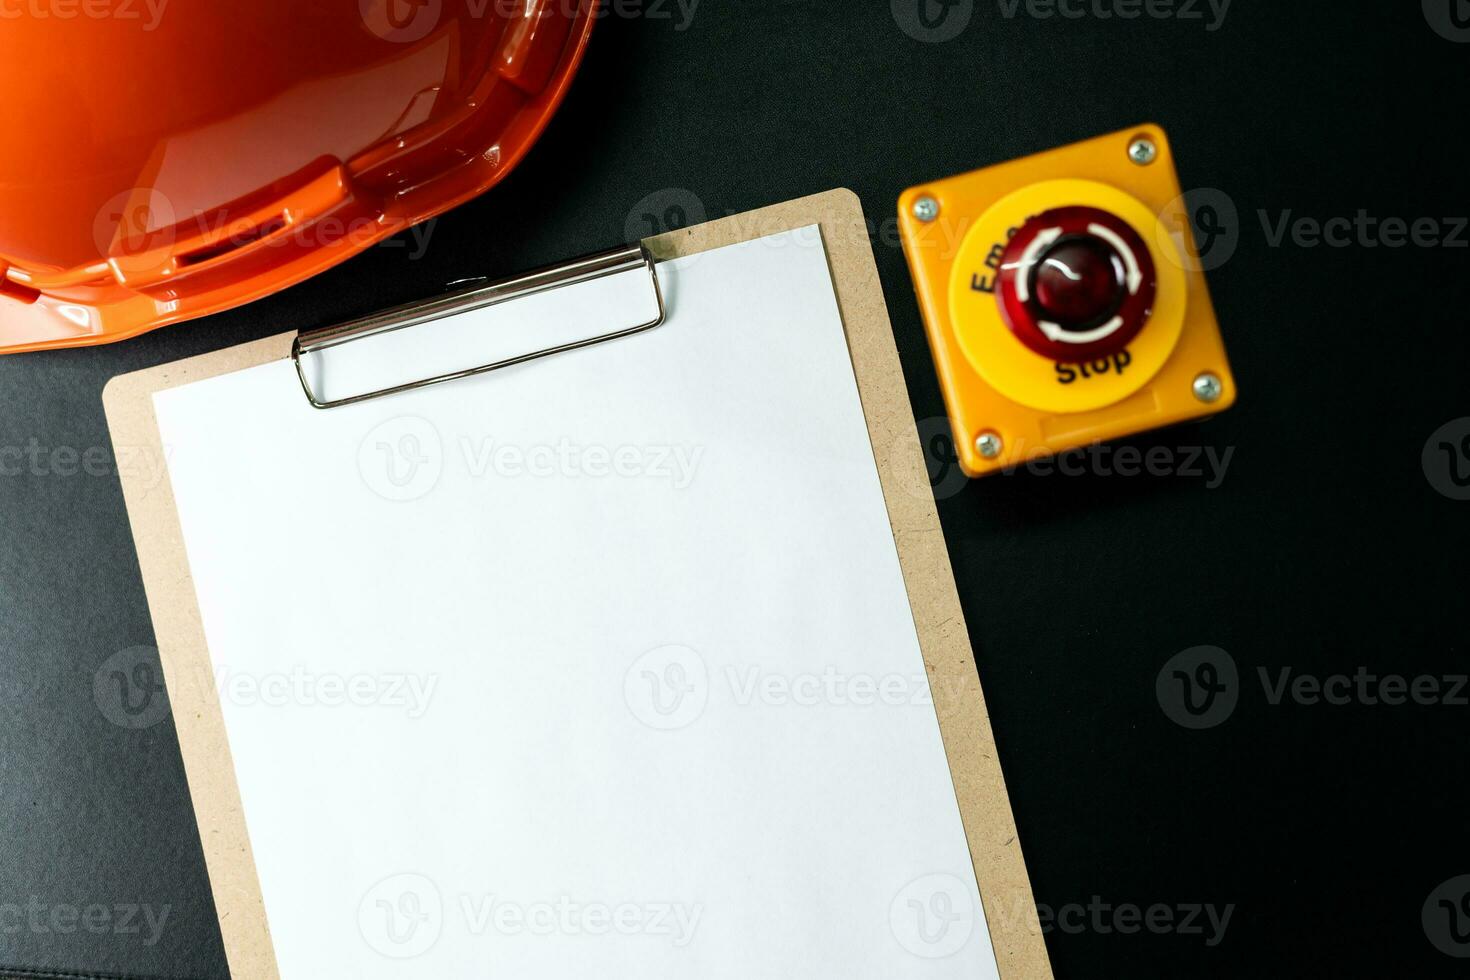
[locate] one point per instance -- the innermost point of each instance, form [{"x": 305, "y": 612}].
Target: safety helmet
[{"x": 165, "y": 159}]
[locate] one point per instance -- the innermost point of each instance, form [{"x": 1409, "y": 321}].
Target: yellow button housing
[{"x": 1008, "y": 404}]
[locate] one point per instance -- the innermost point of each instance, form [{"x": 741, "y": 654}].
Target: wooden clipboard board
[{"x": 965, "y": 725}]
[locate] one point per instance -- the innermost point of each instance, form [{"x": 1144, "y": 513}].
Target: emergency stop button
[{"x": 1076, "y": 284}]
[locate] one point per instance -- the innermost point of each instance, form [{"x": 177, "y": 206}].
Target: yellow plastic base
[{"x": 995, "y": 386}]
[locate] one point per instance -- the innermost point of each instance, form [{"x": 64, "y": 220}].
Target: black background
[{"x": 1324, "y": 548}]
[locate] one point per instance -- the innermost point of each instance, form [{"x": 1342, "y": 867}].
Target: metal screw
[
  {"x": 1208, "y": 387},
  {"x": 1143, "y": 151},
  {"x": 988, "y": 444},
  {"x": 926, "y": 209}
]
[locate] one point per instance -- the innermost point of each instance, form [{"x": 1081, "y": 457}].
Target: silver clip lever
[{"x": 554, "y": 277}]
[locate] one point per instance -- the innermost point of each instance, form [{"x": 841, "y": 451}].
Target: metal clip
[{"x": 553, "y": 277}]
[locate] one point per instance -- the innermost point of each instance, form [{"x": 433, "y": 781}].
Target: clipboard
[{"x": 985, "y": 810}]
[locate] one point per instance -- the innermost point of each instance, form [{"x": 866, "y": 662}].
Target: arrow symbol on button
[
  {"x": 1055, "y": 333},
  {"x": 1135, "y": 274},
  {"x": 1043, "y": 240}
]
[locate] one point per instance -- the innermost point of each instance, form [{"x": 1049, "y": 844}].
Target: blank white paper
[{"x": 597, "y": 666}]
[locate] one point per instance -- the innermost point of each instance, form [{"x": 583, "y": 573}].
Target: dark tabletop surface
[{"x": 1328, "y": 833}]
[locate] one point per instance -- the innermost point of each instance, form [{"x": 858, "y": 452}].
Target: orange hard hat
[{"x": 165, "y": 160}]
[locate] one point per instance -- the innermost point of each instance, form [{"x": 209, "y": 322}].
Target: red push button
[
  {"x": 1079, "y": 280},
  {"x": 1076, "y": 284}
]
